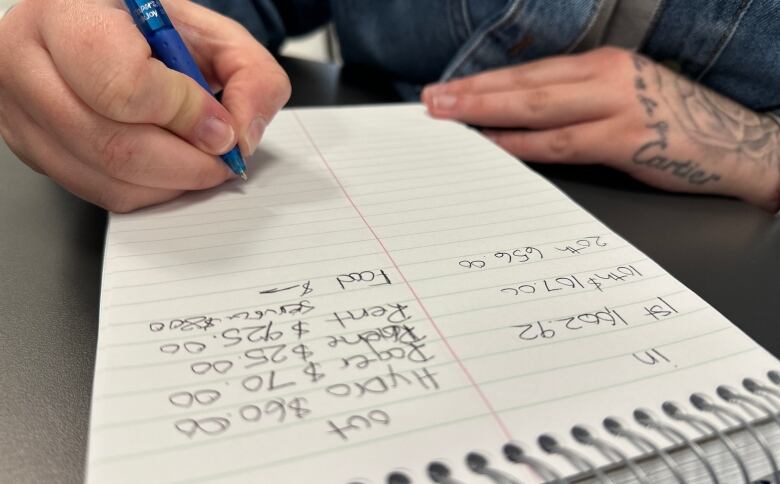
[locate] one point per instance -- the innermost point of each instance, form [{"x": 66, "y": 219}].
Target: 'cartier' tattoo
[{"x": 653, "y": 154}]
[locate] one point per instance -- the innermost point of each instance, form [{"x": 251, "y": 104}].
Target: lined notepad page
[{"x": 386, "y": 290}]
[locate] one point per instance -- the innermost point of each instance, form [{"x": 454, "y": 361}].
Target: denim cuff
[{"x": 259, "y": 17}]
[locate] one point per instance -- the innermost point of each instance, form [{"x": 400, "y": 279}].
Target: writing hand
[
  {"x": 613, "y": 107},
  {"x": 83, "y": 101}
]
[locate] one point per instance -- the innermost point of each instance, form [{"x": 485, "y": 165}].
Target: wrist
[
  {"x": 775, "y": 205},
  {"x": 757, "y": 183},
  {"x": 770, "y": 170}
]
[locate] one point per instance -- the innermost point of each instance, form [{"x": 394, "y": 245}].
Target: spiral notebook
[{"x": 395, "y": 299}]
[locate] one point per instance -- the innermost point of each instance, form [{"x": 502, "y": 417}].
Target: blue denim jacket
[{"x": 732, "y": 46}]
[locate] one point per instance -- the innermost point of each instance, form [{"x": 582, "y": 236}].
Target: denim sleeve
[
  {"x": 302, "y": 16},
  {"x": 271, "y": 21},
  {"x": 726, "y": 45}
]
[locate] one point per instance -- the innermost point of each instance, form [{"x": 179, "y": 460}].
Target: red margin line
[{"x": 466, "y": 372}]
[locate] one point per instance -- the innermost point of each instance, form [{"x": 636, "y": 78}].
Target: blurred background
[{"x": 314, "y": 46}]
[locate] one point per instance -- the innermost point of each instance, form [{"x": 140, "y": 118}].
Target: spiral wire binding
[
  {"x": 774, "y": 377},
  {"x": 675, "y": 412},
  {"x": 758, "y": 389},
  {"x": 645, "y": 418},
  {"x": 614, "y": 427},
  {"x": 549, "y": 444},
  {"x": 730, "y": 395},
  {"x": 478, "y": 464},
  {"x": 762, "y": 400},
  {"x": 440, "y": 473},
  {"x": 703, "y": 403},
  {"x": 609, "y": 451},
  {"x": 515, "y": 454}
]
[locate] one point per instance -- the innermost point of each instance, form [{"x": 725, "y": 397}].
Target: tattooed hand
[{"x": 610, "y": 106}]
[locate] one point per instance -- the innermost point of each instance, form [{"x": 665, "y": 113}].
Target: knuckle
[
  {"x": 561, "y": 145},
  {"x": 21, "y": 151},
  {"x": 118, "y": 199},
  {"x": 616, "y": 59},
  {"x": 117, "y": 203},
  {"x": 107, "y": 199},
  {"x": 17, "y": 142},
  {"x": 517, "y": 77},
  {"x": 117, "y": 151},
  {"x": 612, "y": 53},
  {"x": 14, "y": 144},
  {"x": 537, "y": 100},
  {"x": 282, "y": 88},
  {"x": 118, "y": 89}
]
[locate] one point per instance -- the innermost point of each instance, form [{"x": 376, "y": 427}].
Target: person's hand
[
  {"x": 613, "y": 107},
  {"x": 83, "y": 101}
]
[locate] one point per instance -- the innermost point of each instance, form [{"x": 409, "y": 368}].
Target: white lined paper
[{"x": 211, "y": 254}]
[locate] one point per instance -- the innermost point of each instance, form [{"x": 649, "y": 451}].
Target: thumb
[
  {"x": 255, "y": 87},
  {"x": 183, "y": 107},
  {"x": 117, "y": 77}
]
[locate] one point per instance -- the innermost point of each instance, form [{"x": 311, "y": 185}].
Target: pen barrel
[
  {"x": 168, "y": 46},
  {"x": 166, "y": 43},
  {"x": 149, "y": 15}
]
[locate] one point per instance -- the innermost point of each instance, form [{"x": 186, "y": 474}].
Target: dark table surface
[{"x": 51, "y": 247}]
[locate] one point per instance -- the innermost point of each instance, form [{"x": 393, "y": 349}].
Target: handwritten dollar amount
[
  {"x": 275, "y": 411},
  {"x": 524, "y": 254},
  {"x": 594, "y": 280},
  {"x": 648, "y": 311}
]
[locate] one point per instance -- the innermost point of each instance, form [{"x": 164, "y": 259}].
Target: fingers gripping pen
[{"x": 168, "y": 46}]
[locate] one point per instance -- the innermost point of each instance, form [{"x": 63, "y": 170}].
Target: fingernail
[
  {"x": 444, "y": 102},
  {"x": 215, "y": 135},
  {"x": 256, "y": 130}
]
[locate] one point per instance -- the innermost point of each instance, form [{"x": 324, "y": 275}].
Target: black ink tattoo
[
  {"x": 648, "y": 104},
  {"x": 639, "y": 62},
  {"x": 721, "y": 125},
  {"x": 653, "y": 154}
]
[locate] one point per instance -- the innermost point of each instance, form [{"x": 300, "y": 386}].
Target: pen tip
[{"x": 243, "y": 175}]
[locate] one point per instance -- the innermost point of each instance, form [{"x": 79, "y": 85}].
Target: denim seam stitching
[
  {"x": 659, "y": 7},
  {"x": 466, "y": 17},
  {"x": 725, "y": 39},
  {"x": 511, "y": 12},
  {"x": 592, "y": 17},
  {"x": 452, "y": 20}
]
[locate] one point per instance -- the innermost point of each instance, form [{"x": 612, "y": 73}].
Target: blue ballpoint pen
[{"x": 168, "y": 46}]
